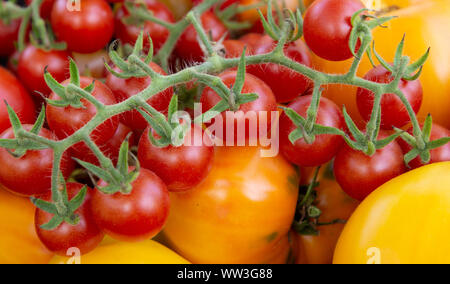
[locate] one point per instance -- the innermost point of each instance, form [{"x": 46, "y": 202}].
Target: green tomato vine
[{"x": 136, "y": 65}]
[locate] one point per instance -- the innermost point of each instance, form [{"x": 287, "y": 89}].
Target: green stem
[{"x": 201, "y": 33}]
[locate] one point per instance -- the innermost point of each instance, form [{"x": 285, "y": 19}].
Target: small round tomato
[
  {"x": 32, "y": 63},
  {"x": 438, "y": 155},
  {"x": 93, "y": 64},
  {"x": 130, "y": 33},
  {"x": 12, "y": 92},
  {"x": 124, "y": 89},
  {"x": 234, "y": 48},
  {"x": 85, "y": 236},
  {"x": 359, "y": 175},
  {"x": 31, "y": 174},
  {"x": 46, "y": 7},
  {"x": 66, "y": 121},
  {"x": 84, "y": 31},
  {"x": 284, "y": 82},
  {"x": 393, "y": 111},
  {"x": 335, "y": 204},
  {"x": 327, "y": 27},
  {"x": 137, "y": 216},
  {"x": 241, "y": 213},
  {"x": 110, "y": 148},
  {"x": 9, "y": 33},
  {"x": 183, "y": 167},
  {"x": 260, "y": 110},
  {"x": 188, "y": 47},
  {"x": 324, "y": 147}
]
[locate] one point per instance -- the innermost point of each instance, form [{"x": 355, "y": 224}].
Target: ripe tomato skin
[
  {"x": 92, "y": 65},
  {"x": 19, "y": 243},
  {"x": 85, "y": 236},
  {"x": 438, "y": 155},
  {"x": 32, "y": 63},
  {"x": 324, "y": 147},
  {"x": 130, "y": 33},
  {"x": 393, "y": 111},
  {"x": 181, "y": 168},
  {"x": 66, "y": 121},
  {"x": 359, "y": 174},
  {"x": 188, "y": 48},
  {"x": 146, "y": 252},
  {"x": 234, "y": 48},
  {"x": 395, "y": 223},
  {"x": 84, "y": 31},
  {"x": 266, "y": 103},
  {"x": 46, "y": 7},
  {"x": 9, "y": 34},
  {"x": 334, "y": 204},
  {"x": 137, "y": 216},
  {"x": 31, "y": 174},
  {"x": 124, "y": 89},
  {"x": 327, "y": 28},
  {"x": 285, "y": 83},
  {"x": 247, "y": 203},
  {"x": 12, "y": 91}
]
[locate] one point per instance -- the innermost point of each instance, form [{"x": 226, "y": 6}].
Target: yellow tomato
[
  {"x": 405, "y": 221},
  {"x": 241, "y": 213},
  {"x": 334, "y": 204},
  {"x": 426, "y": 23},
  {"x": 19, "y": 243},
  {"x": 147, "y": 252}
]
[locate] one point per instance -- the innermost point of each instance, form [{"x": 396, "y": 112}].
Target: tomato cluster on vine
[{"x": 313, "y": 130}]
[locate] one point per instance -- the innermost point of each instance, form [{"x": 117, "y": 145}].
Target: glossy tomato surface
[
  {"x": 9, "y": 33},
  {"x": 32, "y": 64},
  {"x": 241, "y": 213},
  {"x": 405, "y": 221},
  {"x": 84, "y": 31},
  {"x": 19, "y": 243},
  {"x": 13, "y": 92},
  {"x": 31, "y": 174}
]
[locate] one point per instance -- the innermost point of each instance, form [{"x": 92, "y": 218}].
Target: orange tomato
[
  {"x": 241, "y": 213},
  {"x": 426, "y": 23},
  {"x": 334, "y": 204},
  {"x": 19, "y": 243}
]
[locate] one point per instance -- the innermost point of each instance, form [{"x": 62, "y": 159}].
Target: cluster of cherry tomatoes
[{"x": 142, "y": 214}]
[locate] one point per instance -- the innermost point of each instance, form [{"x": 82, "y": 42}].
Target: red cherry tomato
[
  {"x": 32, "y": 63},
  {"x": 393, "y": 111},
  {"x": 84, "y": 31},
  {"x": 92, "y": 64},
  {"x": 188, "y": 47},
  {"x": 438, "y": 155},
  {"x": 130, "y": 33},
  {"x": 137, "y": 216},
  {"x": 324, "y": 147},
  {"x": 263, "y": 106},
  {"x": 285, "y": 83},
  {"x": 9, "y": 33},
  {"x": 66, "y": 121},
  {"x": 17, "y": 97},
  {"x": 124, "y": 89},
  {"x": 234, "y": 48},
  {"x": 46, "y": 8},
  {"x": 85, "y": 236},
  {"x": 110, "y": 149},
  {"x": 31, "y": 173},
  {"x": 181, "y": 168},
  {"x": 327, "y": 27},
  {"x": 359, "y": 175}
]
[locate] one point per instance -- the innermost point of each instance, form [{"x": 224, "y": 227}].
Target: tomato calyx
[
  {"x": 422, "y": 151},
  {"x": 63, "y": 209},
  {"x": 228, "y": 15}
]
